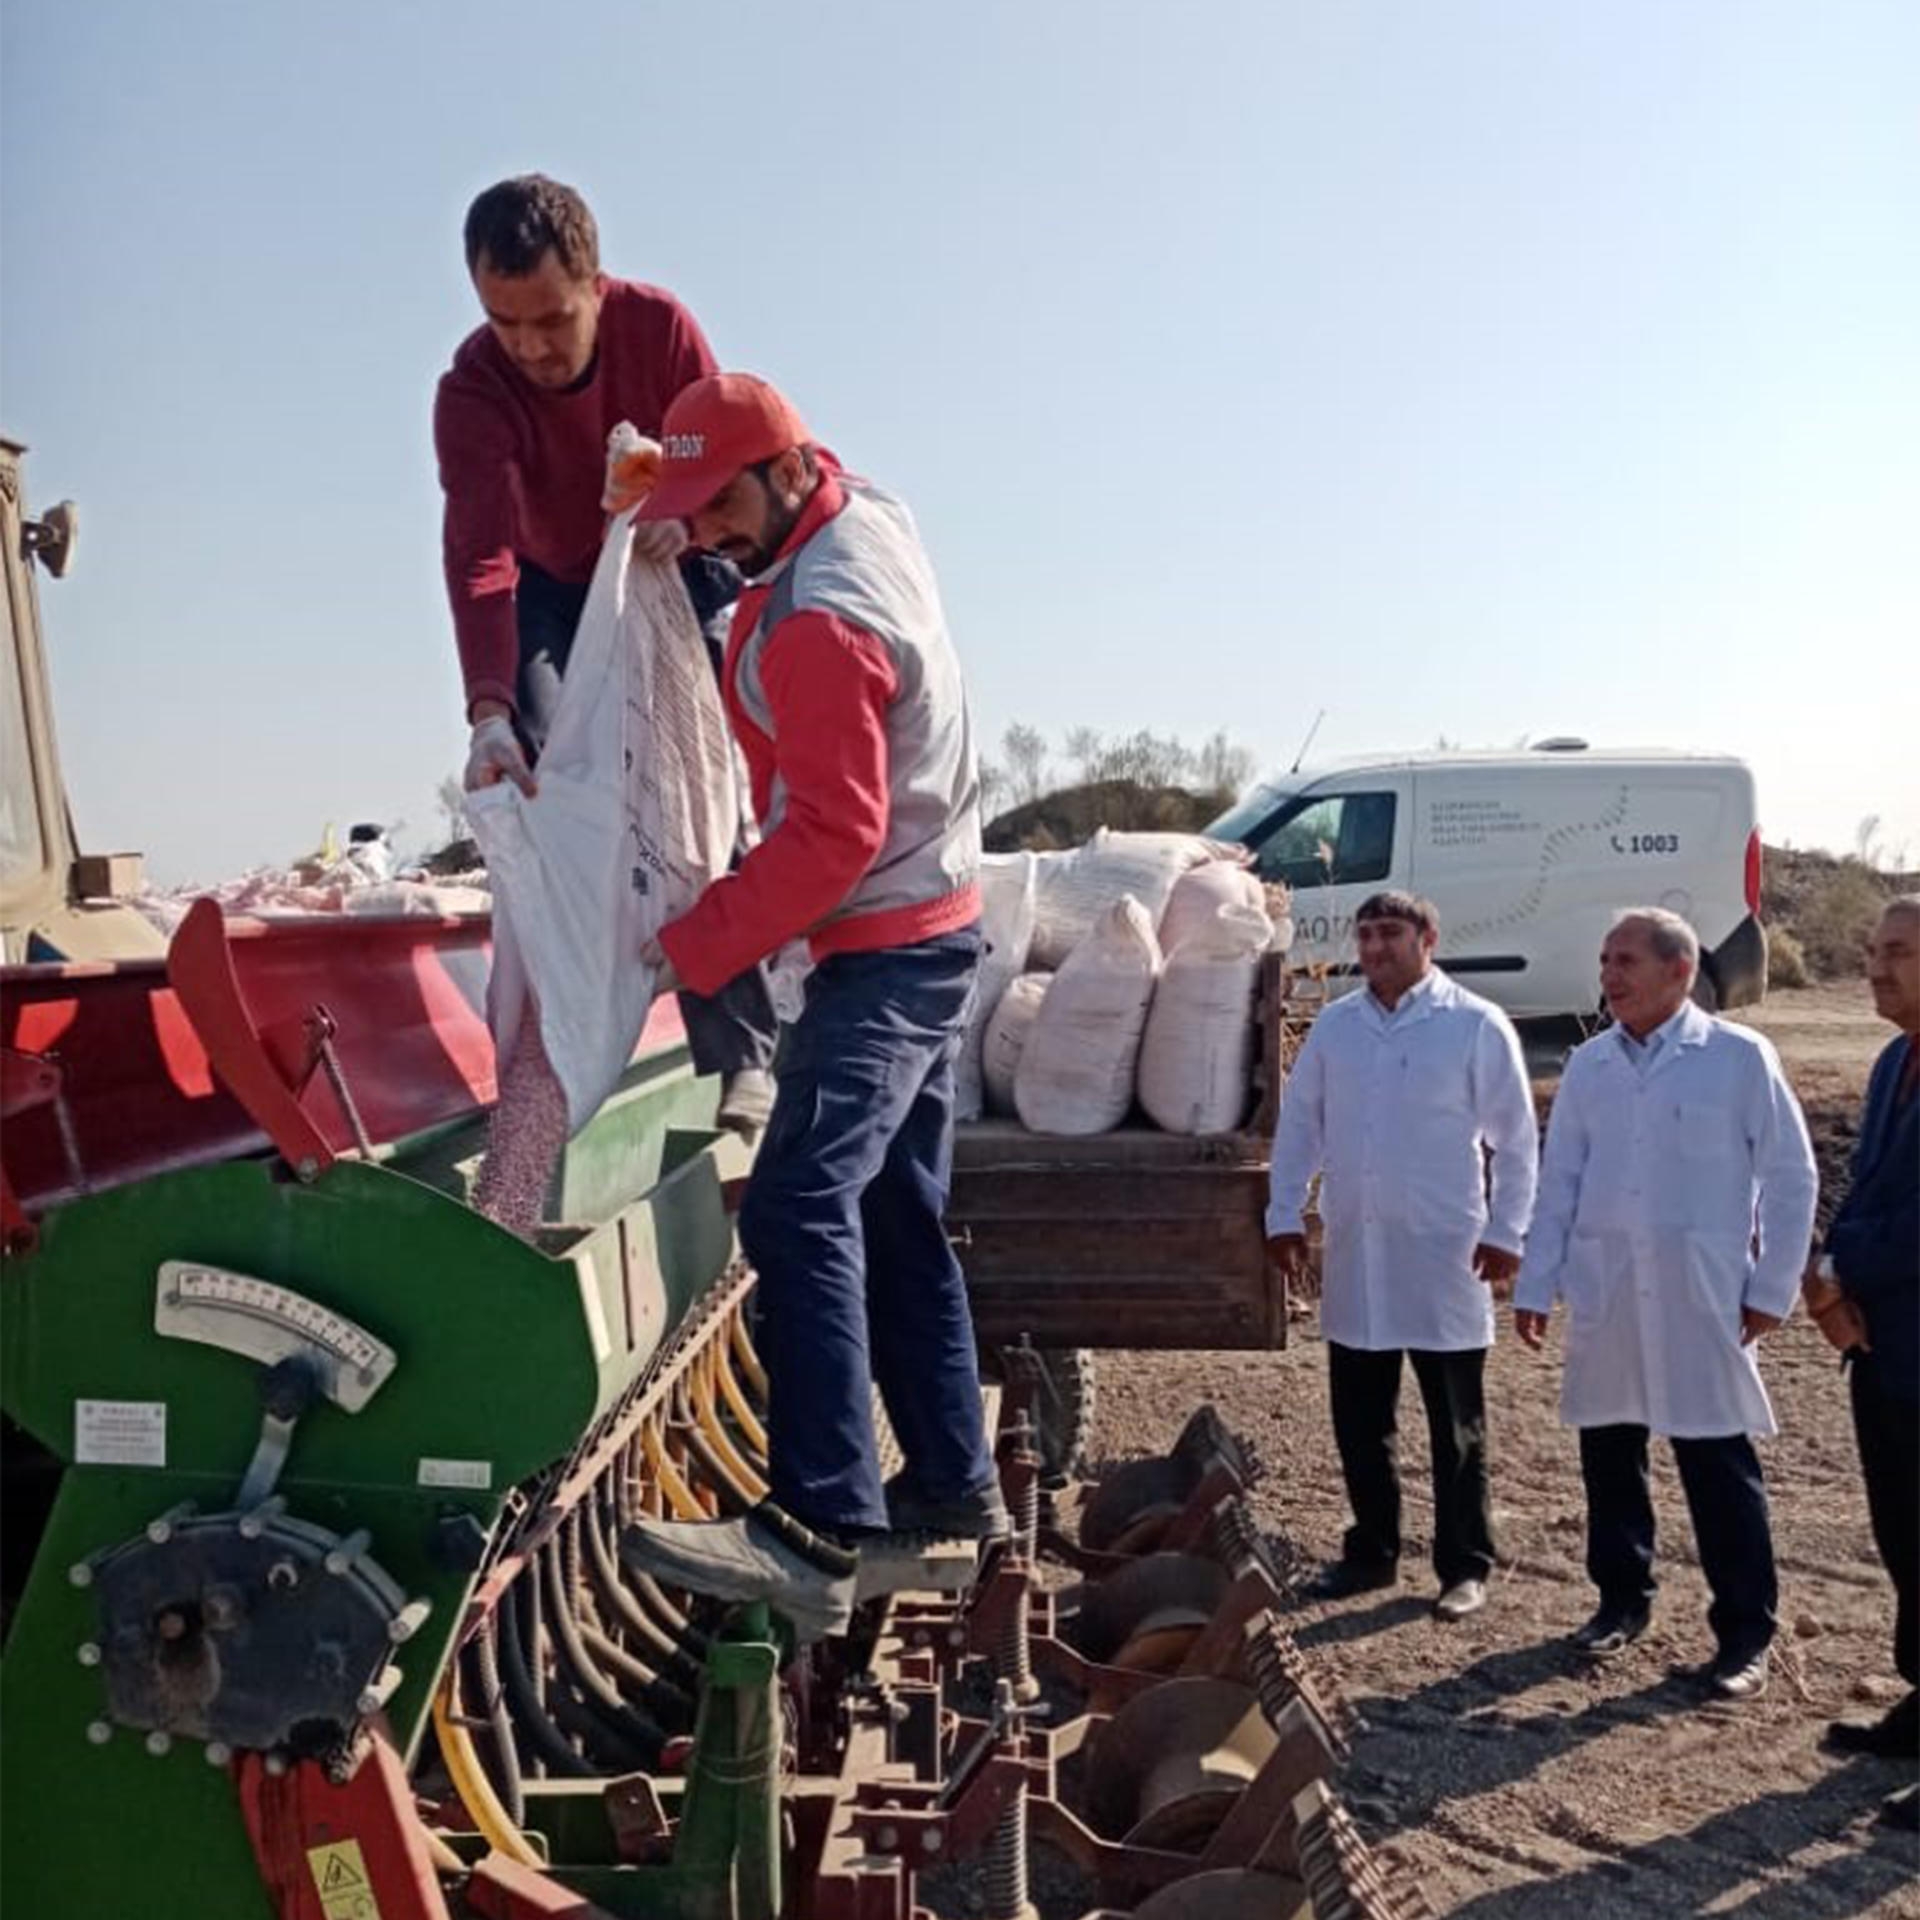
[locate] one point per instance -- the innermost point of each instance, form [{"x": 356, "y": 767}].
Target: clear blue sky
[{"x": 1476, "y": 370}]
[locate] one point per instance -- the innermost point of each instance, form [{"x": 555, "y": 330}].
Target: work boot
[
  {"x": 979, "y": 1515},
  {"x": 768, "y": 1555},
  {"x": 746, "y": 1102}
]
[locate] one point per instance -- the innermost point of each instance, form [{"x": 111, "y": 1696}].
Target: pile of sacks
[{"x": 1125, "y": 969}]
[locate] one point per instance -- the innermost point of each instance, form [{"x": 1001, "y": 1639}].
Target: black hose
[
  {"x": 626, "y": 1727},
  {"x": 529, "y": 1712},
  {"x": 674, "y": 1667},
  {"x": 486, "y": 1660}
]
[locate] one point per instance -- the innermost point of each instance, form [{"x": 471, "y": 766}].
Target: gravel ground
[{"x": 1521, "y": 1787}]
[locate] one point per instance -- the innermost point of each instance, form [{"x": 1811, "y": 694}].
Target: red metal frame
[
  {"x": 207, "y": 1056},
  {"x": 312, "y": 1834}
]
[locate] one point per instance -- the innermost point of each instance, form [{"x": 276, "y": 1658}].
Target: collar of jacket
[
  {"x": 1431, "y": 991},
  {"x": 1690, "y": 1027},
  {"x": 827, "y": 500}
]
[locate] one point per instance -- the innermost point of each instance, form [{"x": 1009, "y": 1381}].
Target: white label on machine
[
  {"x": 475, "y": 1475},
  {"x": 120, "y": 1433}
]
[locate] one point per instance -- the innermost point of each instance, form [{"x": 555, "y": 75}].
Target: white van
[{"x": 1528, "y": 856}]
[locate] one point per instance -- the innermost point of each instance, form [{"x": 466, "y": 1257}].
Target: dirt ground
[{"x": 1521, "y": 1787}]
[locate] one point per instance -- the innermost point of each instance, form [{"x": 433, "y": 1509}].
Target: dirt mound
[
  {"x": 1826, "y": 905},
  {"x": 1069, "y": 817}
]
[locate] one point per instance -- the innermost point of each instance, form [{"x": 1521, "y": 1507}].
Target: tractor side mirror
[{"x": 52, "y": 538}]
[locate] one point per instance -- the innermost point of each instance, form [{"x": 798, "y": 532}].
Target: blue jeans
[
  {"x": 843, "y": 1223},
  {"x": 735, "y": 1027}
]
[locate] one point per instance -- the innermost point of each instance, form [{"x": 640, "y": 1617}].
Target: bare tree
[
  {"x": 452, "y": 797},
  {"x": 1222, "y": 767},
  {"x": 1026, "y": 754},
  {"x": 1147, "y": 760},
  {"x": 1083, "y": 749},
  {"x": 1866, "y": 845},
  {"x": 993, "y": 786}
]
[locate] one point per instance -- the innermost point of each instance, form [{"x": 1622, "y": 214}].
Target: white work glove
[
  {"x": 493, "y": 755},
  {"x": 633, "y": 469}
]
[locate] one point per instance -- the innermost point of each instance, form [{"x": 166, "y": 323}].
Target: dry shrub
[
  {"x": 1786, "y": 960},
  {"x": 1835, "y": 913}
]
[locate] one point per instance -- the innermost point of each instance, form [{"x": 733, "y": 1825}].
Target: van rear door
[{"x": 1333, "y": 842}]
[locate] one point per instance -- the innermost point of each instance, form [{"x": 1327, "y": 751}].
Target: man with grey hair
[
  {"x": 1675, "y": 1212},
  {"x": 1864, "y": 1294}
]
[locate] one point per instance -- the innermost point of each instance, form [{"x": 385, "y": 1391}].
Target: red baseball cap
[{"x": 715, "y": 428}]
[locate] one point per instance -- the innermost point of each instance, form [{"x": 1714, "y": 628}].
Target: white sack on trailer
[
  {"x": 1199, "y": 896},
  {"x": 1006, "y": 932},
  {"x": 1076, "y": 1072},
  {"x": 1196, "y": 1057},
  {"x": 1075, "y": 888},
  {"x": 1005, "y": 1038}
]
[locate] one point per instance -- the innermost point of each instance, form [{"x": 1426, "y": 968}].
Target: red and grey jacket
[{"x": 846, "y": 698}]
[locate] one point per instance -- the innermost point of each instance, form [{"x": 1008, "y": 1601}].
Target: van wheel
[{"x": 1706, "y": 993}]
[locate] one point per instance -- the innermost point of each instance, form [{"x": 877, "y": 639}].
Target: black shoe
[
  {"x": 1901, "y": 1810},
  {"x": 1345, "y": 1578},
  {"x": 1894, "y": 1736},
  {"x": 1738, "y": 1677},
  {"x": 1611, "y": 1631}
]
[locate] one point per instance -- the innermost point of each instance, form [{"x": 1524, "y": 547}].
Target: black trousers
[
  {"x": 735, "y": 1027},
  {"x": 1888, "y": 1430},
  {"x": 1727, "y": 1500},
  {"x": 1365, "y": 1391}
]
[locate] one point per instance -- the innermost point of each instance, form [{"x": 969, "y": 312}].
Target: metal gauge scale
[{"x": 265, "y": 1321}]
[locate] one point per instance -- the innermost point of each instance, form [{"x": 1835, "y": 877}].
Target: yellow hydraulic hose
[
  {"x": 470, "y": 1783},
  {"x": 749, "y": 1360},
  {"x": 748, "y": 1484},
  {"x": 744, "y": 1416},
  {"x": 682, "y": 1501}
]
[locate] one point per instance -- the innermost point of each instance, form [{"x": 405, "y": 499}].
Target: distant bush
[
  {"x": 1829, "y": 906},
  {"x": 1786, "y": 960}
]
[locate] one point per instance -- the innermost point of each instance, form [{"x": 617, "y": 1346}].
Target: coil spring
[{"x": 1013, "y": 1650}]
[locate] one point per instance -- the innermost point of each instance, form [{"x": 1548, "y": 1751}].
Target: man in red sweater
[
  {"x": 520, "y": 424},
  {"x": 846, "y": 699}
]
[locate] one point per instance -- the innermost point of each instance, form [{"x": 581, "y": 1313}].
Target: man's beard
[{"x": 781, "y": 521}]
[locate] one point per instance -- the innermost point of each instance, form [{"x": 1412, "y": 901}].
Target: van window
[{"x": 1333, "y": 839}]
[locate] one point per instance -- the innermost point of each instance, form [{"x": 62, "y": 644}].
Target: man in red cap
[
  {"x": 846, "y": 698},
  {"x": 520, "y": 424}
]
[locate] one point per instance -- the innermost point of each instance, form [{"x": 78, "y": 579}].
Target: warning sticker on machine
[
  {"x": 474, "y": 1475},
  {"x": 340, "y": 1874},
  {"x": 120, "y": 1433}
]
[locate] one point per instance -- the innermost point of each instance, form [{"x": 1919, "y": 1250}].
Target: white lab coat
[
  {"x": 1392, "y": 1109},
  {"x": 1669, "y": 1201}
]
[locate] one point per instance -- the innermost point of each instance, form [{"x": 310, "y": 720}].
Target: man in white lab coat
[
  {"x": 1676, "y": 1209},
  {"x": 1393, "y": 1099}
]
